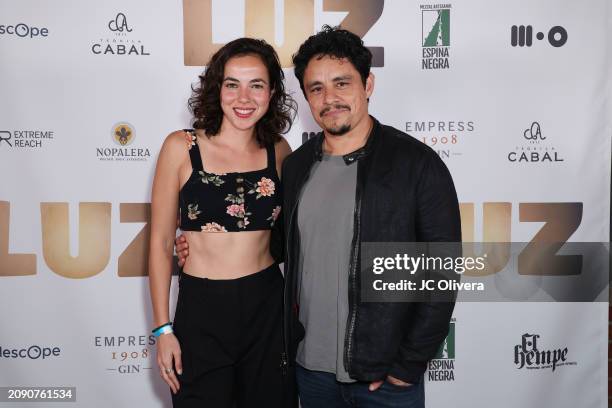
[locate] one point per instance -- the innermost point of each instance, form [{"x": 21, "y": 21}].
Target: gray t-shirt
[{"x": 325, "y": 222}]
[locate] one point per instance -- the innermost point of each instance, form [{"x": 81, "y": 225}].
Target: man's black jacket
[{"x": 404, "y": 194}]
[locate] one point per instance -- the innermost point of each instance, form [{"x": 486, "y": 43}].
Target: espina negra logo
[
  {"x": 127, "y": 354},
  {"x": 535, "y": 147},
  {"x": 528, "y": 355},
  {"x": 123, "y": 135},
  {"x": 119, "y": 39},
  {"x": 435, "y": 35},
  {"x": 442, "y": 366}
]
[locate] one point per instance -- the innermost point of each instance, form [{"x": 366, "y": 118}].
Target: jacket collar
[{"x": 353, "y": 156}]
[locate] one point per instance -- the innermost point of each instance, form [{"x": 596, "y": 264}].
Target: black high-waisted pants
[{"x": 230, "y": 336}]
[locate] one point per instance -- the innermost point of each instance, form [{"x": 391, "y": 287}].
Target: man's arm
[{"x": 438, "y": 220}]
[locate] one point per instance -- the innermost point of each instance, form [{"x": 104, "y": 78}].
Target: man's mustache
[{"x": 328, "y": 108}]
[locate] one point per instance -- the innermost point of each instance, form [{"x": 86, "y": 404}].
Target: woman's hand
[{"x": 169, "y": 360}]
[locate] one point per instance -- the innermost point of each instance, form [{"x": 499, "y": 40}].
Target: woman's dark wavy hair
[
  {"x": 205, "y": 101},
  {"x": 334, "y": 42}
]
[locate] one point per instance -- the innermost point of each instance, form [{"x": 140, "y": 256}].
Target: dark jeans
[{"x": 318, "y": 389}]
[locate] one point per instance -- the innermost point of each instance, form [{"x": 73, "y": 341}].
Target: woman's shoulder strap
[{"x": 194, "y": 151}]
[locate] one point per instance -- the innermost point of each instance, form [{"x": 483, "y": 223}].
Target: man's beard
[{"x": 339, "y": 130}]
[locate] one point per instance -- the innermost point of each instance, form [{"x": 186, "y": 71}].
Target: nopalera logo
[
  {"x": 122, "y": 133},
  {"x": 435, "y": 30}
]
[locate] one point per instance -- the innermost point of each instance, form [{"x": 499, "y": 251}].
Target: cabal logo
[
  {"x": 442, "y": 366},
  {"x": 119, "y": 41},
  {"x": 119, "y": 24},
  {"x": 123, "y": 135},
  {"x": 25, "y": 139},
  {"x": 523, "y": 36},
  {"x": 535, "y": 148},
  {"x": 444, "y": 136},
  {"x": 533, "y": 133},
  {"x": 126, "y": 354},
  {"x": 435, "y": 35},
  {"x": 528, "y": 355}
]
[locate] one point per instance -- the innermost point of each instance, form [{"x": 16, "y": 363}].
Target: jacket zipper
[
  {"x": 348, "y": 339},
  {"x": 286, "y": 340}
]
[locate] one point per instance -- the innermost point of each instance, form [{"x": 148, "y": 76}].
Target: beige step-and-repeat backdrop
[{"x": 513, "y": 95}]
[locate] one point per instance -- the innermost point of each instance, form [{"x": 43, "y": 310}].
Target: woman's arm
[
  {"x": 164, "y": 207},
  {"x": 164, "y": 203}
]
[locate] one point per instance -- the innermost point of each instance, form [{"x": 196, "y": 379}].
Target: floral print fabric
[{"x": 229, "y": 202}]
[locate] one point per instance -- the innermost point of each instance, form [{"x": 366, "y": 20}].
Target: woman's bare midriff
[{"x": 227, "y": 255}]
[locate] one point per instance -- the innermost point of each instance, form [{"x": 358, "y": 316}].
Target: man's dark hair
[
  {"x": 337, "y": 43},
  {"x": 205, "y": 101}
]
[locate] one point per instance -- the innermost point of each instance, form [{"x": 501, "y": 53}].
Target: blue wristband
[{"x": 165, "y": 329}]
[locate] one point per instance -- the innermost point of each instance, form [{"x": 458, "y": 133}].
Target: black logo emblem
[
  {"x": 529, "y": 355},
  {"x": 119, "y": 24},
  {"x": 533, "y": 133},
  {"x": 6, "y": 136},
  {"x": 523, "y": 36}
]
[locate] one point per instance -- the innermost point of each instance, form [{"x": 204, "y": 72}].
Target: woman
[{"x": 225, "y": 344}]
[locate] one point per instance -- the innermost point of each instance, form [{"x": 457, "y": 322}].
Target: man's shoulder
[
  {"x": 302, "y": 153},
  {"x": 403, "y": 143}
]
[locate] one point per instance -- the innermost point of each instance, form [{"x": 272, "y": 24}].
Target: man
[{"x": 357, "y": 181}]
